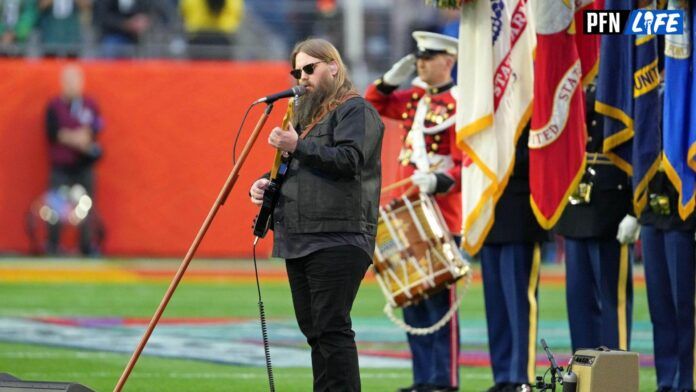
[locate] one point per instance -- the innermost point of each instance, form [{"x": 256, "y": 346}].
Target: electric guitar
[{"x": 263, "y": 219}]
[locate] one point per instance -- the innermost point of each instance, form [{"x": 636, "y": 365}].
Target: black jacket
[
  {"x": 334, "y": 180},
  {"x": 514, "y": 219},
  {"x": 610, "y": 198}
]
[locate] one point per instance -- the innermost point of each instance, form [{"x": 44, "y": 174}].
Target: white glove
[
  {"x": 628, "y": 230},
  {"x": 426, "y": 182},
  {"x": 400, "y": 71}
]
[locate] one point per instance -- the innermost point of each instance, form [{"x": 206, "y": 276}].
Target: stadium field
[{"x": 79, "y": 320}]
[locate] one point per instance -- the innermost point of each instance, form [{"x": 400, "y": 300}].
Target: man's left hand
[{"x": 283, "y": 140}]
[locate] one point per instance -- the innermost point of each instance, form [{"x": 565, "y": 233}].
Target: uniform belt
[{"x": 597, "y": 158}]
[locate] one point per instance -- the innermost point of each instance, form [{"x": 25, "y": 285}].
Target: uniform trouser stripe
[
  {"x": 531, "y": 296},
  {"x": 621, "y": 298}
]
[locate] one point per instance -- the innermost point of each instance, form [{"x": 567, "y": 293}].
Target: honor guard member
[
  {"x": 510, "y": 259},
  {"x": 669, "y": 257},
  {"x": 429, "y": 156},
  {"x": 598, "y": 226}
]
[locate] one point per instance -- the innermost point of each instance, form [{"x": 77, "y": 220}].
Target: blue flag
[
  {"x": 627, "y": 94},
  {"x": 679, "y": 122}
]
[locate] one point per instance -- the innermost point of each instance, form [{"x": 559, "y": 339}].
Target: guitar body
[{"x": 270, "y": 199}]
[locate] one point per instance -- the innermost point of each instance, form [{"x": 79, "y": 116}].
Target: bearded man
[{"x": 325, "y": 221}]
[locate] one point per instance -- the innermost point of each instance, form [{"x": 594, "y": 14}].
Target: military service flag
[
  {"x": 558, "y": 135},
  {"x": 679, "y": 122},
  {"x": 495, "y": 88},
  {"x": 627, "y": 94}
]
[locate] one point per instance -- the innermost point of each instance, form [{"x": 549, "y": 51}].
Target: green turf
[{"x": 100, "y": 370}]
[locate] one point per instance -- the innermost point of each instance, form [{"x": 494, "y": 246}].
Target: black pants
[
  {"x": 69, "y": 177},
  {"x": 324, "y": 285}
]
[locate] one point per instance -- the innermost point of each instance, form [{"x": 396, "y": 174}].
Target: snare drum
[{"x": 415, "y": 255}]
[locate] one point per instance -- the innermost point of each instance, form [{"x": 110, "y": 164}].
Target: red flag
[
  {"x": 587, "y": 44},
  {"x": 558, "y": 135}
]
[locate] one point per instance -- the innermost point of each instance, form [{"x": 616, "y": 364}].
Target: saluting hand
[{"x": 283, "y": 140}]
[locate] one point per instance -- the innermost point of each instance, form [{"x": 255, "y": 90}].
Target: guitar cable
[
  {"x": 262, "y": 312},
  {"x": 239, "y": 132},
  {"x": 264, "y": 328}
]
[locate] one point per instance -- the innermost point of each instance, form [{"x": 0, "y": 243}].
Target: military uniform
[
  {"x": 510, "y": 260},
  {"x": 435, "y": 356},
  {"x": 599, "y": 289},
  {"x": 669, "y": 257}
]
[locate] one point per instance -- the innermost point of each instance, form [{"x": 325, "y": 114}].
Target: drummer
[{"x": 430, "y": 158}]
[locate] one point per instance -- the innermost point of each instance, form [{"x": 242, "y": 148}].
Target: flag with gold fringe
[
  {"x": 627, "y": 95},
  {"x": 679, "y": 121},
  {"x": 558, "y": 135},
  {"x": 495, "y": 90}
]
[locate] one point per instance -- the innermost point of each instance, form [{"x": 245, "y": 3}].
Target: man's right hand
[
  {"x": 257, "y": 190},
  {"x": 400, "y": 71}
]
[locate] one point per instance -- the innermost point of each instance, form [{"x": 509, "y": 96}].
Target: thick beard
[{"x": 309, "y": 105}]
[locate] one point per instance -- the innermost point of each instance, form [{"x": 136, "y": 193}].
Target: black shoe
[
  {"x": 664, "y": 389},
  {"x": 443, "y": 389},
  {"x": 523, "y": 388},
  {"x": 413, "y": 388},
  {"x": 502, "y": 387}
]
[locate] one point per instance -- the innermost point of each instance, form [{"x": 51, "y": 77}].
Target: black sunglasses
[{"x": 308, "y": 69}]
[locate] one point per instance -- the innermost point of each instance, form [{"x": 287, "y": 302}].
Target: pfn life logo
[{"x": 640, "y": 22}]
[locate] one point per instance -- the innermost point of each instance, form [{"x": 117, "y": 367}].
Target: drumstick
[
  {"x": 395, "y": 185},
  {"x": 406, "y": 180}
]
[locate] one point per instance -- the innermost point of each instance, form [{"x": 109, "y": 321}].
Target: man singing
[{"x": 326, "y": 218}]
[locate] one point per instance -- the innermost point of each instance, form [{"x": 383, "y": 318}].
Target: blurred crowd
[{"x": 208, "y": 29}]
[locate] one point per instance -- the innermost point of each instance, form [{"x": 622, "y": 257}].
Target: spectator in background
[
  {"x": 17, "y": 18},
  {"x": 60, "y": 24},
  {"x": 210, "y": 26},
  {"x": 122, "y": 24},
  {"x": 72, "y": 124}
]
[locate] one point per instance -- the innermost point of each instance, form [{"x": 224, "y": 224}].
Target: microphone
[
  {"x": 295, "y": 91},
  {"x": 554, "y": 365}
]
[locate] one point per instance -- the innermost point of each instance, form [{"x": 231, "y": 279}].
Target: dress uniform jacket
[
  {"x": 439, "y": 133},
  {"x": 610, "y": 196},
  {"x": 514, "y": 218}
]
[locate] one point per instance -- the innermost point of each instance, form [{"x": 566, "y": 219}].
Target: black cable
[
  {"x": 264, "y": 329},
  {"x": 239, "y": 131}
]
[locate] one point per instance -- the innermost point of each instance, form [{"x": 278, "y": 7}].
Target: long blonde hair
[{"x": 342, "y": 87}]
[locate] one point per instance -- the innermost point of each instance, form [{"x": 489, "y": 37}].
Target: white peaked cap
[{"x": 426, "y": 40}]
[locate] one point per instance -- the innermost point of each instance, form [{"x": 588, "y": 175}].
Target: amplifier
[{"x": 604, "y": 370}]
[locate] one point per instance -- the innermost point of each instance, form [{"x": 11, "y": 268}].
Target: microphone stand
[{"x": 222, "y": 197}]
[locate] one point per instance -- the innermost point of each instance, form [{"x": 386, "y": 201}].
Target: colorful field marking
[
  {"x": 60, "y": 271},
  {"x": 237, "y": 341}
]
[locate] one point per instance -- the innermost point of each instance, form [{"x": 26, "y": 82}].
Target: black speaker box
[{"x": 9, "y": 383}]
